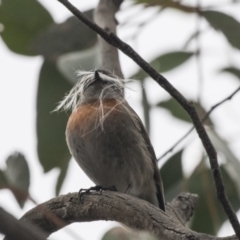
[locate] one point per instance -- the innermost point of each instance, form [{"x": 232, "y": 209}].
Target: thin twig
[
  {"x": 203, "y": 120},
  {"x": 198, "y": 55},
  {"x": 140, "y": 26},
  {"x": 176, "y": 144},
  {"x": 125, "y": 48}
]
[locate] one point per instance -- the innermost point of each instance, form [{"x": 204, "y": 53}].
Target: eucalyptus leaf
[
  {"x": 69, "y": 36},
  {"x": 233, "y": 166},
  {"x": 23, "y": 21},
  {"x": 177, "y": 111},
  {"x": 52, "y": 148},
  {"x": 3, "y": 181},
  {"x": 69, "y": 63},
  {"x": 17, "y": 176},
  {"x": 228, "y": 25},
  {"x": 172, "y": 175},
  {"x": 232, "y": 70},
  {"x": 201, "y": 183},
  {"x": 168, "y": 4},
  {"x": 61, "y": 177},
  {"x": 166, "y": 62}
]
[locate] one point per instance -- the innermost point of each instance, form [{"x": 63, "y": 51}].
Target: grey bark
[
  {"x": 113, "y": 206},
  {"x": 104, "y": 16}
]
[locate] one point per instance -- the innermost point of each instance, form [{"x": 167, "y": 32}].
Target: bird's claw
[{"x": 100, "y": 189}]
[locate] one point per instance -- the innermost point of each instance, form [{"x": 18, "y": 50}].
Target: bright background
[{"x": 18, "y": 87}]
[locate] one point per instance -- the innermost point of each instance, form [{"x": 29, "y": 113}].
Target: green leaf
[
  {"x": 172, "y": 181},
  {"x": 61, "y": 177},
  {"x": 52, "y": 148},
  {"x": 70, "y": 36},
  {"x": 17, "y": 177},
  {"x": 201, "y": 183},
  {"x": 87, "y": 59},
  {"x": 228, "y": 25},
  {"x": 232, "y": 70},
  {"x": 3, "y": 180},
  {"x": 23, "y": 20},
  {"x": 169, "y": 4},
  {"x": 233, "y": 162},
  {"x": 166, "y": 62},
  {"x": 231, "y": 189},
  {"x": 175, "y": 109}
]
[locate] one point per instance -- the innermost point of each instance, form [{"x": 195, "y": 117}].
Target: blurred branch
[
  {"x": 141, "y": 25},
  {"x": 15, "y": 229},
  {"x": 112, "y": 39},
  {"x": 199, "y": 53},
  {"x": 104, "y": 16},
  {"x": 203, "y": 120}
]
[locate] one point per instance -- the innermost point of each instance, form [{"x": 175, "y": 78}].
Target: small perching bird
[{"x": 108, "y": 140}]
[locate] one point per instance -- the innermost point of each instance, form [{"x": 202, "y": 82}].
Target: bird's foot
[{"x": 97, "y": 188}]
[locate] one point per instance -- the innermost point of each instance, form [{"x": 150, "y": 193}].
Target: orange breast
[{"x": 88, "y": 114}]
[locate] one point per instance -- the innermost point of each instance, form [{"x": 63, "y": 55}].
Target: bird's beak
[{"x": 96, "y": 75}]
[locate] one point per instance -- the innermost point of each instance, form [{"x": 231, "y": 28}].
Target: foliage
[
  {"x": 16, "y": 177},
  {"x": 39, "y": 35},
  {"x": 72, "y": 44}
]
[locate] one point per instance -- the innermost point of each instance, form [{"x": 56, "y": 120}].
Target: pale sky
[{"x": 18, "y": 87}]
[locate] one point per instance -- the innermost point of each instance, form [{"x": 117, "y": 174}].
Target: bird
[{"x": 108, "y": 139}]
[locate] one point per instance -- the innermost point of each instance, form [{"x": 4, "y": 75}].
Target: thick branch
[
  {"x": 133, "y": 212},
  {"x": 112, "y": 39},
  {"x": 104, "y": 16}
]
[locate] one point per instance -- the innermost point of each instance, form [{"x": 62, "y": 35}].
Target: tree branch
[
  {"x": 104, "y": 16},
  {"x": 205, "y": 117},
  {"x": 132, "y": 212},
  {"x": 112, "y": 39},
  {"x": 15, "y": 229}
]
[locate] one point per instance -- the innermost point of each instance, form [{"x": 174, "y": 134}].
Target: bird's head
[{"x": 93, "y": 86}]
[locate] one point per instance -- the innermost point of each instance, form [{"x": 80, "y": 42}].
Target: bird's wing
[{"x": 157, "y": 176}]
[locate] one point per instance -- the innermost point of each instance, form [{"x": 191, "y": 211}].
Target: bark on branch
[
  {"x": 104, "y": 16},
  {"x": 132, "y": 212}
]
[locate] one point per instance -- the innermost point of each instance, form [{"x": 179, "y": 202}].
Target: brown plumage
[{"x": 109, "y": 142}]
